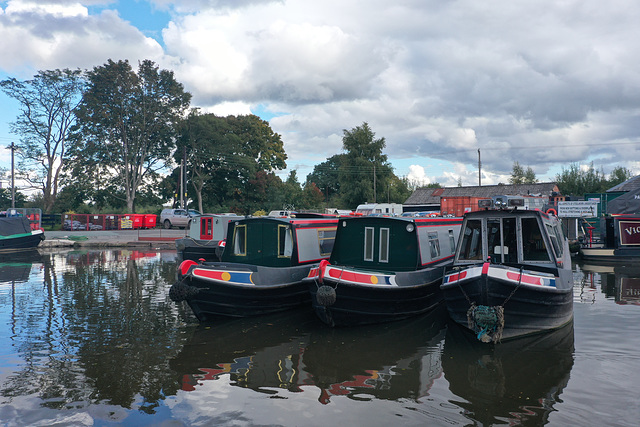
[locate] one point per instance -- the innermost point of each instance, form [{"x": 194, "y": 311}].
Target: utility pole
[
  {"x": 479, "y": 170},
  {"x": 374, "y": 184},
  {"x": 13, "y": 181}
]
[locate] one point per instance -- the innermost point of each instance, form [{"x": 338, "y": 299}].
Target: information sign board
[{"x": 578, "y": 209}]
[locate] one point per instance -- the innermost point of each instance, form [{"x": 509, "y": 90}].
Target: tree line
[{"x": 115, "y": 139}]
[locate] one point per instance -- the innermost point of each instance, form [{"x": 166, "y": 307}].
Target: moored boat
[
  {"x": 511, "y": 275},
  {"x": 206, "y": 237},
  {"x": 383, "y": 269},
  {"x": 16, "y": 234},
  {"x": 261, "y": 269},
  {"x": 619, "y": 240}
]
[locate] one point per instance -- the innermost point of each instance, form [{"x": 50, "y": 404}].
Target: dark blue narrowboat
[
  {"x": 511, "y": 275},
  {"x": 261, "y": 268},
  {"x": 383, "y": 269}
]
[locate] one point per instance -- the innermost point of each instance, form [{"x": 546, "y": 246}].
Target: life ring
[{"x": 552, "y": 211}]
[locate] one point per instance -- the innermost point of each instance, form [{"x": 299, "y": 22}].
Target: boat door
[{"x": 206, "y": 228}]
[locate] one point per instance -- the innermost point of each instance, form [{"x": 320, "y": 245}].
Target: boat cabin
[
  {"x": 279, "y": 242},
  {"x": 211, "y": 227},
  {"x": 394, "y": 244},
  {"x": 509, "y": 236}
]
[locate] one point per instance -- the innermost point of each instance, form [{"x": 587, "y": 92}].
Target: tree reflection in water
[{"x": 91, "y": 326}]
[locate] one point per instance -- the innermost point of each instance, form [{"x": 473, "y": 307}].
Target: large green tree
[
  {"x": 326, "y": 177},
  {"x": 127, "y": 127},
  {"x": 47, "y": 105},
  {"x": 230, "y": 161},
  {"x": 364, "y": 174}
]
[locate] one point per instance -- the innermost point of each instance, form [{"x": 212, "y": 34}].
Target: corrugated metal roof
[{"x": 429, "y": 196}]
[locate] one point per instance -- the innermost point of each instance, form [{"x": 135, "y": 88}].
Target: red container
[
  {"x": 149, "y": 221},
  {"x": 136, "y": 221}
]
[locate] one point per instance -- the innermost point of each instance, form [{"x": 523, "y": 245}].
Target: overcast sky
[{"x": 542, "y": 82}]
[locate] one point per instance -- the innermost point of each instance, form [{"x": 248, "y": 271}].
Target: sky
[{"x": 545, "y": 83}]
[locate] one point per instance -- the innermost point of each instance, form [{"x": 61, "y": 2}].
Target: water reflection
[
  {"x": 293, "y": 351},
  {"x": 89, "y": 326},
  {"x": 516, "y": 382},
  {"x": 620, "y": 282}
]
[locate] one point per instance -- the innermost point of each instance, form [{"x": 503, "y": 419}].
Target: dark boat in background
[
  {"x": 383, "y": 269},
  {"x": 206, "y": 237},
  {"x": 512, "y": 273},
  {"x": 619, "y": 240},
  {"x": 261, "y": 270},
  {"x": 16, "y": 234}
]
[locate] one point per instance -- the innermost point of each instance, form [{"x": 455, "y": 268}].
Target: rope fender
[
  {"x": 487, "y": 322},
  {"x": 180, "y": 291}
]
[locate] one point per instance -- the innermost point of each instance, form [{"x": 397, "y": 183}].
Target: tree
[
  {"x": 47, "y": 106},
  {"x": 127, "y": 127},
  {"x": 326, "y": 176},
  {"x": 578, "y": 181},
  {"x": 364, "y": 172},
  {"x": 521, "y": 176},
  {"x": 225, "y": 155},
  {"x": 619, "y": 175}
]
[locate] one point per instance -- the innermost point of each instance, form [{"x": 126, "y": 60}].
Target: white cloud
[{"x": 542, "y": 82}]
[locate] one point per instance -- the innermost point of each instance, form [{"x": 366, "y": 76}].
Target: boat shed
[{"x": 464, "y": 199}]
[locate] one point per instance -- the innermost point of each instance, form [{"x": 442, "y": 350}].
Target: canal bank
[{"x": 156, "y": 238}]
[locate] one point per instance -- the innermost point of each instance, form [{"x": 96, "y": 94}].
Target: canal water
[{"x": 91, "y": 338}]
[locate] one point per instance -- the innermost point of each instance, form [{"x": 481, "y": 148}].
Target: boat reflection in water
[
  {"x": 517, "y": 382},
  {"x": 618, "y": 281},
  {"x": 15, "y": 267},
  {"x": 293, "y": 351}
]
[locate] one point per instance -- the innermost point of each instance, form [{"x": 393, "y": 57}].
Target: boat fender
[
  {"x": 486, "y": 322},
  {"x": 180, "y": 246},
  {"x": 321, "y": 269},
  {"x": 180, "y": 291},
  {"x": 183, "y": 269},
  {"x": 552, "y": 211},
  {"x": 326, "y": 295}
]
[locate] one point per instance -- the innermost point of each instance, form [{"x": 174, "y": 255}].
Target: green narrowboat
[
  {"x": 383, "y": 269},
  {"x": 261, "y": 268}
]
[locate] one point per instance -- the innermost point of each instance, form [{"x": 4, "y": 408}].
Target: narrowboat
[
  {"x": 261, "y": 268},
  {"x": 383, "y": 269},
  {"x": 206, "y": 237},
  {"x": 16, "y": 234},
  {"x": 619, "y": 240},
  {"x": 511, "y": 275}
]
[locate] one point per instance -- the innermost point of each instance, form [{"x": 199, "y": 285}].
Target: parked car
[{"x": 177, "y": 217}]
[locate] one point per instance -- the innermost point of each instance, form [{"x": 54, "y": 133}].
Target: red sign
[{"x": 629, "y": 232}]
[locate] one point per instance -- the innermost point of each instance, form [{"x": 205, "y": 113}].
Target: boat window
[
  {"x": 368, "y": 244},
  {"x": 434, "y": 245},
  {"x": 558, "y": 229},
  {"x": 240, "y": 240},
  {"x": 509, "y": 240},
  {"x": 452, "y": 241},
  {"x": 285, "y": 241},
  {"x": 554, "y": 240},
  {"x": 383, "y": 256},
  {"x": 326, "y": 238},
  {"x": 471, "y": 247},
  {"x": 533, "y": 245},
  {"x": 494, "y": 240}
]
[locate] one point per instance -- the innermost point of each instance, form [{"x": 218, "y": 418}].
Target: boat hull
[
  {"x": 610, "y": 254},
  {"x": 528, "y": 308},
  {"x": 195, "y": 250},
  {"x": 21, "y": 242},
  {"x": 393, "y": 297},
  {"x": 241, "y": 290}
]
